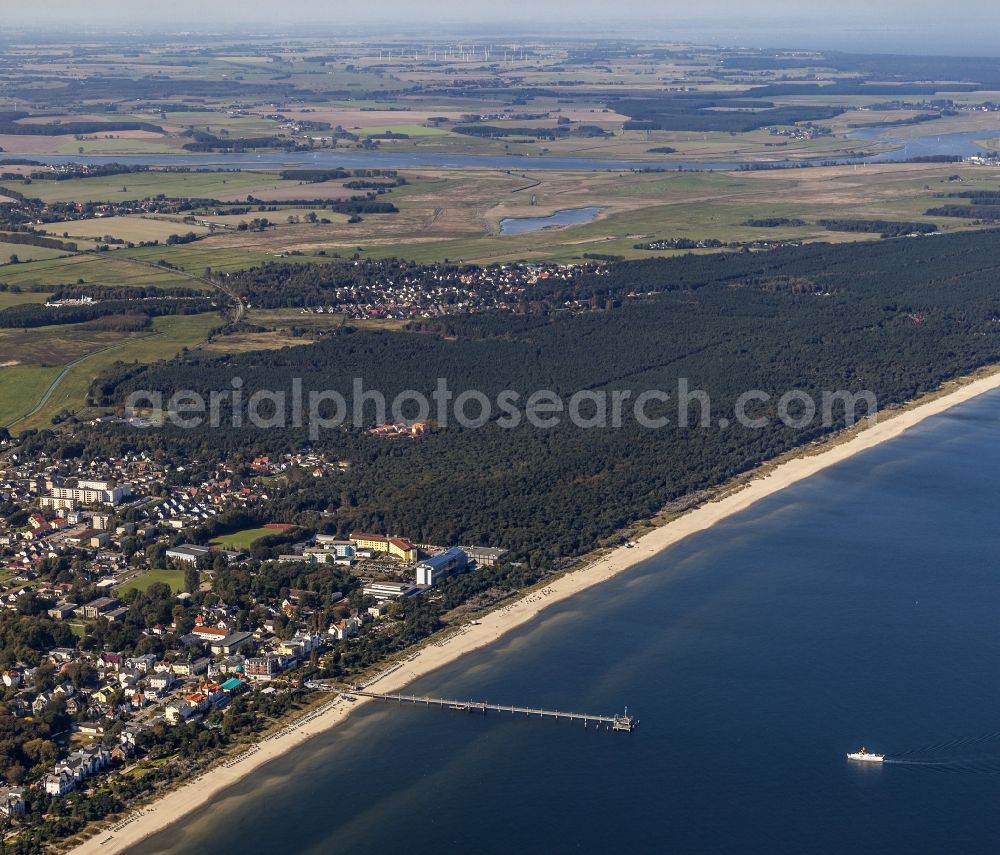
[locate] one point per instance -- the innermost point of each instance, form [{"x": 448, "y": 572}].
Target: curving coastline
[{"x": 731, "y": 500}]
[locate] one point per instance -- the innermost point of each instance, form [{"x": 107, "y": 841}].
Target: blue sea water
[{"x": 861, "y": 607}]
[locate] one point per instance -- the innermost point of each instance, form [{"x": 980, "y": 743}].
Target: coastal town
[
  {"x": 130, "y": 636},
  {"x": 399, "y": 403}
]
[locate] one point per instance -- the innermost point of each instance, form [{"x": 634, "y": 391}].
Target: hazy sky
[
  {"x": 964, "y": 26},
  {"x": 490, "y": 10}
]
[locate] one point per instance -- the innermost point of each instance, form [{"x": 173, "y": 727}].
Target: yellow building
[
  {"x": 361, "y": 540},
  {"x": 397, "y": 547},
  {"x": 402, "y": 549}
]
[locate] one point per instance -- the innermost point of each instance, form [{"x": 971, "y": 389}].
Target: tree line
[{"x": 896, "y": 317}]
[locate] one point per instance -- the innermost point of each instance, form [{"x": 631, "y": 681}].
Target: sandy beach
[{"x": 773, "y": 478}]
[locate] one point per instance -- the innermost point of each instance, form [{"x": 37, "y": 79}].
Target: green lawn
[
  {"x": 173, "y": 578},
  {"x": 244, "y": 539}
]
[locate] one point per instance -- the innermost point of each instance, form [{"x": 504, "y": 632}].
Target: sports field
[
  {"x": 173, "y": 578},
  {"x": 244, "y": 539}
]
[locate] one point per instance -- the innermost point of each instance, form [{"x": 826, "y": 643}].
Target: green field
[
  {"x": 456, "y": 214},
  {"x": 168, "y": 337},
  {"x": 19, "y": 298},
  {"x": 120, "y": 146},
  {"x": 410, "y": 130},
  {"x": 244, "y": 539},
  {"x": 26, "y": 252},
  {"x": 280, "y": 218},
  {"x": 213, "y": 121},
  {"x": 106, "y": 268},
  {"x": 219, "y": 254},
  {"x": 23, "y": 386},
  {"x": 173, "y": 578},
  {"x": 139, "y": 185},
  {"x": 55, "y": 345},
  {"x": 129, "y": 228}
]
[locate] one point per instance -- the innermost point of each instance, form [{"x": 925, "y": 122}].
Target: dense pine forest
[{"x": 897, "y": 317}]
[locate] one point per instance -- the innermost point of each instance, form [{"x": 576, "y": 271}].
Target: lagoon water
[
  {"x": 959, "y": 144},
  {"x": 565, "y": 217},
  {"x": 861, "y": 607}
]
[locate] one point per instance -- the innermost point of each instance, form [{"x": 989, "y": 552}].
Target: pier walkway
[{"x": 622, "y": 723}]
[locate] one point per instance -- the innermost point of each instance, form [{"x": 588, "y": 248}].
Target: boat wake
[{"x": 978, "y": 754}]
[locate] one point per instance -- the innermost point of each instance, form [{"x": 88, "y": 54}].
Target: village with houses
[
  {"x": 130, "y": 633},
  {"x": 379, "y": 289}
]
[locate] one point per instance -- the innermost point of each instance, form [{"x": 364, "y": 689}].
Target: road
[
  {"x": 51, "y": 388},
  {"x": 241, "y": 308},
  {"x": 240, "y": 314}
]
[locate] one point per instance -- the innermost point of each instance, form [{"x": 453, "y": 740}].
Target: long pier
[{"x": 621, "y": 723}]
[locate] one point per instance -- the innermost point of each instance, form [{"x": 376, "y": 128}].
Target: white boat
[{"x": 864, "y": 756}]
